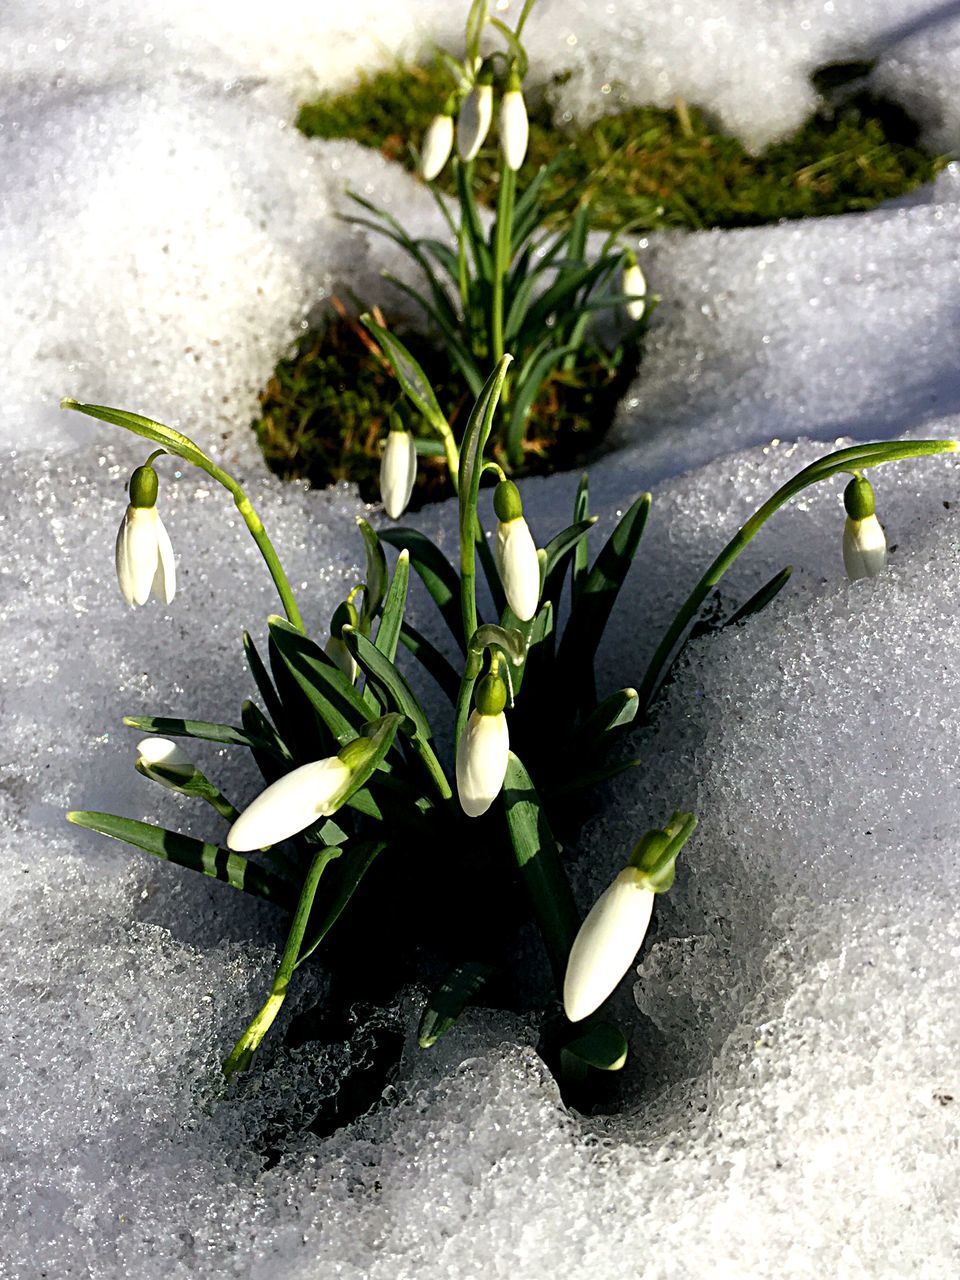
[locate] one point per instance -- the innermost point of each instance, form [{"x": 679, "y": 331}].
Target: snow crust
[{"x": 792, "y": 1107}]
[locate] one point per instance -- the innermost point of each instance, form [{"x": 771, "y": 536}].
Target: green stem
[
  {"x": 242, "y": 1054},
  {"x": 502, "y": 254},
  {"x": 843, "y": 460}
]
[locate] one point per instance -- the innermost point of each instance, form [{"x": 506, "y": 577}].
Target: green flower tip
[
  {"x": 506, "y": 501},
  {"x": 491, "y": 696},
  {"x": 144, "y": 487},
  {"x": 858, "y": 499}
]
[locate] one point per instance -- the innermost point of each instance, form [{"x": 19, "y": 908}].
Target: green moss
[{"x": 658, "y": 167}]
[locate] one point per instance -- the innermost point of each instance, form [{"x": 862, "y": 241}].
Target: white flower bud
[
  {"x": 145, "y": 560},
  {"x": 518, "y": 566},
  {"x": 514, "y": 128},
  {"x": 292, "y": 803},
  {"x": 607, "y": 943},
  {"x": 473, "y": 122},
  {"x": 437, "y": 145},
  {"x": 864, "y": 548},
  {"x": 172, "y": 758},
  {"x": 398, "y": 471},
  {"x": 635, "y": 288},
  {"x": 482, "y": 761}
]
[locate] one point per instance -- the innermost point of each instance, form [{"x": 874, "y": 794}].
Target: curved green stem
[
  {"x": 858, "y": 456},
  {"x": 176, "y": 443}
]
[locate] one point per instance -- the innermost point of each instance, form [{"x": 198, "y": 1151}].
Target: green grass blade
[
  {"x": 559, "y": 553},
  {"x": 436, "y": 572},
  {"x": 204, "y": 730},
  {"x": 334, "y": 699},
  {"x": 450, "y": 998},
  {"x": 581, "y": 561},
  {"x": 388, "y": 633},
  {"x": 760, "y": 599},
  {"x": 377, "y": 573},
  {"x": 268, "y": 693}
]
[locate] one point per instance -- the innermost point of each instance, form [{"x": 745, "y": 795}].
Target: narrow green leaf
[
  {"x": 450, "y": 998},
  {"x": 559, "y": 553},
  {"x": 203, "y": 730},
  {"x": 602, "y": 1045},
  {"x": 760, "y": 599},
  {"x": 171, "y": 440},
  {"x": 581, "y": 511},
  {"x": 599, "y": 592},
  {"x": 301, "y": 725},
  {"x": 613, "y": 713},
  {"x": 355, "y": 864},
  {"x": 386, "y": 676},
  {"x": 376, "y": 572},
  {"x": 196, "y": 855},
  {"x": 338, "y": 704},
  {"x": 541, "y": 869},
  {"x": 530, "y": 382},
  {"x": 411, "y": 377},
  {"x": 388, "y": 633},
  {"x": 436, "y": 572},
  {"x": 432, "y": 660},
  {"x": 260, "y": 674}
]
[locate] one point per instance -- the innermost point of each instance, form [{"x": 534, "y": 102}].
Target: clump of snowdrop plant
[
  {"x": 513, "y": 287},
  {"x": 385, "y": 851}
]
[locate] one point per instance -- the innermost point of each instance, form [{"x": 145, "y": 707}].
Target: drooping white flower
[
  {"x": 516, "y": 553},
  {"x": 608, "y": 940},
  {"x": 291, "y": 804},
  {"x": 476, "y": 115},
  {"x": 144, "y": 554},
  {"x": 398, "y": 471},
  {"x": 864, "y": 542},
  {"x": 514, "y": 125},
  {"x": 169, "y": 756},
  {"x": 634, "y": 287},
  {"x": 437, "y": 145},
  {"x": 483, "y": 749}
]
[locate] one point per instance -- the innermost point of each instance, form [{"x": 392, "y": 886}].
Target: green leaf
[
  {"x": 581, "y": 511},
  {"x": 613, "y": 713},
  {"x": 436, "y": 572},
  {"x": 450, "y": 998},
  {"x": 432, "y": 660},
  {"x": 260, "y": 674},
  {"x": 388, "y": 633},
  {"x": 411, "y": 377},
  {"x": 760, "y": 599},
  {"x": 355, "y": 864},
  {"x": 376, "y": 573},
  {"x": 540, "y": 866},
  {"x": 171, "y": 440},
  {"x": 599, "y": 592},
  {"x": 334, "y": 699},
  {"x": 602, "y": 1045},
  {"x": 203, "y": 730},
  {"x": 475, "y": 436},
  {"x": 301, "y": 725},
  {"x": 559, "y": 552},
  {"x": 382, "y": 671},
  {"x": 197, "y": 855},
  {"x": 531, "y": 380}
]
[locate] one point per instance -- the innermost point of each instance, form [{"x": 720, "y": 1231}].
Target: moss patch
[
  {"x": 325, "y": 411},
  {"x": 657, "y": 167}
]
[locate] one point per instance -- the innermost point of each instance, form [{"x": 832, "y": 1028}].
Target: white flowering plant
[
  {"x": 527, "y": 284},
  {"x": 434, "y": 864}
]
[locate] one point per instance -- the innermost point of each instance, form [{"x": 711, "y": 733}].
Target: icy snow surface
[{"x": 793, "y": 1100}]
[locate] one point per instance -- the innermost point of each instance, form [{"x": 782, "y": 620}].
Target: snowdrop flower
[
  {"x": 292, "y": 803},
  {"x": 336, "y": 650},
  {"x": 617, "y": 923},
  {"x": 864, "y": 542},
  {"x": 482, "y": 749},
  {"x": 608, "y": 940},
  {"x": 634, "y": 287},
  {"x": 476, "y": 114},
  {"x": 516, "y": 554},
  {"x": 177, "y": 767},
  {"x": 514, "y": 126},
  {"x": 144, "y": 553},
  {"x": 437, "y": 145},
  {"x": 398, "y": 469}
]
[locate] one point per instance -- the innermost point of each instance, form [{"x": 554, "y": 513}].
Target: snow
[{"x": 793, "y": 1105}]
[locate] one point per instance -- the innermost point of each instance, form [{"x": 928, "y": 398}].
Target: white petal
[
  {"x": 289, "y": 805},
  {"x": 164, "y": 584},
  {"x": 518, "y": 567},
  {"x": 635, "y": 287},
  {"x": 163, "y": 751},
  {"x": 607, "y": 943},
  {"x": 473, "y": 122},
  {"x": 437, "y": 145},
  {"x": 514, "y": 128},
  {"x": 398, "y": 471},
  {"x": 864, "y": 548},
  {"x": 481, "y": 762},
  {"x": 137, "y": 553},
  {"x": 338, "y": 653}
]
